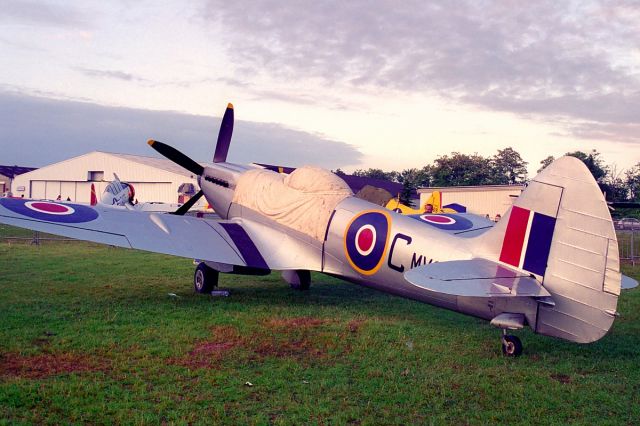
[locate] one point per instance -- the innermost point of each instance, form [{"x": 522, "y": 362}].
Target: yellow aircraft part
[
  {"x": 395, "y": 205},
  {"x": 435, "y": 200}
]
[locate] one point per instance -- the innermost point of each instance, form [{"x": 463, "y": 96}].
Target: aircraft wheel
[
  {"x": 298, "y": 280},
  {"x": 205, "y": 279},
  {"x": 511, "y": 345}
]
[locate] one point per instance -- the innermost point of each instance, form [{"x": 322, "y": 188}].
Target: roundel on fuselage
[{"x": 365, "y": 241}]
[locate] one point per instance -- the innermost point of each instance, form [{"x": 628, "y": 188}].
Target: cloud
[
  {"x": 41, "y": 13},
  {"x": 36, "y": 131},
  {"x": 627, "y": 133},
  {"x": 139, "y": 80},
  {"x": 571, "y": 59},
  {"x": 118, "y": 75}
]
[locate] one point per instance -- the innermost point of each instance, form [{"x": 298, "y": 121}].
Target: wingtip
[
  {"x": 151, "y": 142},
  {"x": 229, "y": 105}
]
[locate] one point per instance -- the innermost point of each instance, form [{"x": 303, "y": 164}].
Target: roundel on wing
[
  {"x": 50, "y": 211},
  {"x": 365, "y": 241},
  {"x": 454, "y": 222}
]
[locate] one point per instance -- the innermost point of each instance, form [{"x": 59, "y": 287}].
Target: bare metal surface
[{"x": 509, "y": 321}]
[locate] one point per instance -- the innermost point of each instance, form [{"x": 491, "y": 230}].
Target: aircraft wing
[
  {"x": 460, "y": 224},
  {"x": 475, "y": 278},
  {"x": 229, "y": 242}
]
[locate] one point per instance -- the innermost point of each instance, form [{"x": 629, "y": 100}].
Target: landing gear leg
[
  {"x": 298, "y": 279},
  {"x": 205, "y": 279},
  {"x": 511, "y": 345}
]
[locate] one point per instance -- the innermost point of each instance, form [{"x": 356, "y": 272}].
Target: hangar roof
[
  {"x": 11, "y": 171},
  {"x": 160, "y": 163}
]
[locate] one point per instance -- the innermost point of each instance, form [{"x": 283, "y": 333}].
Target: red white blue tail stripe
[{"x": 527, "y": 241}]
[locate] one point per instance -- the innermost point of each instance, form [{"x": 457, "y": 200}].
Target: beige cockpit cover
[{"x": 302, "y": 200}]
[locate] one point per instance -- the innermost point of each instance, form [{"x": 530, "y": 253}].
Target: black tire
[
  {"x": 511, "y": 346},
  {"x": 303, "y": 281},
  {"x": 205, "y": 279}
]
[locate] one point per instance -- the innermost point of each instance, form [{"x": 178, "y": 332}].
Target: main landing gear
[
  {"x": 205, "y": 279},
  {"x": 511, "y": 345},
  {"x": 298, "y": 279}
]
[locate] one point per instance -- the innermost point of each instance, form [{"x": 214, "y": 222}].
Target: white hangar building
[
  {"x": 481, "y": 200},
  {"x": 154, "y": 179}
]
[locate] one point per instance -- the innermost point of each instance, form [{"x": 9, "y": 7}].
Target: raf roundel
[
  {"x": 50, "y": 211},
  {"x": 365, "y": 241},
  {"x": 441, "y": 220},
  {"x": 453, "y": 222},
  {"x": 49, "y": 208}
]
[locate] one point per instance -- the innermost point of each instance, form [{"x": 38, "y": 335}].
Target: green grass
[{"x": 90, "y": 334}]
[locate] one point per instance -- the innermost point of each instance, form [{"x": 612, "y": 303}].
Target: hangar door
[
  {"x": 52, "y": 189},
  {"x": 164, "y": 192},
  {"x": 68, "y": 190},
  {"x": 38, "y": 189}
]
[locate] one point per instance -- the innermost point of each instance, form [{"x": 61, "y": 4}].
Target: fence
[{"x": 629, "y": 245}]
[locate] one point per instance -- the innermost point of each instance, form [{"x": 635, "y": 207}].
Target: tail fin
[
  {"x": 560, "y": 230},
  {"x": 94, "y": 197}
]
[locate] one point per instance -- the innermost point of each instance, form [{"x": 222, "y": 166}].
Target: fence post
[
  {"x": 36, "y": 238},
  {"x": 633, "y": 260}
]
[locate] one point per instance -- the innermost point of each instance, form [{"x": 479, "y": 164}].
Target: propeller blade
[
  {"x": 177, "y": 157},
  {"x": 186, "y": 206},
  {"x": 224, "y": 136}
]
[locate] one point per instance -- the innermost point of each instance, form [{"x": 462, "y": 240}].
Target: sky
[{"x": 355, "y": 84}]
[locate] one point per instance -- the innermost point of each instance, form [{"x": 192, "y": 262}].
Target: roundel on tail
[{"x": 365, "y": 241}]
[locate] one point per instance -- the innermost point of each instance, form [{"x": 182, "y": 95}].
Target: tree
[
  {"x": 461, "y": 169},
  {"x": 546, "y": 162},
  {"x": 614, "y": 186},
  {"x": 632, "y": 182},
  {"x": 594, "y": 163},
  {"x": 411, "y": 180},
  {"x": 377, "y": 174},
  {"x": 509, "y": 167}
]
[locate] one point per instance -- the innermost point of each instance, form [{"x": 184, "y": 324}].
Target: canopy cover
[{"x": 302, "y": 200}]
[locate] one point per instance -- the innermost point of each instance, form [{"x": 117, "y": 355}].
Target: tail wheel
[
  {"x": 205, "y": 279},
  {"x": 511, "y": 346}
]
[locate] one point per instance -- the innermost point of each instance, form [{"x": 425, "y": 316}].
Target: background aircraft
[
  {"x": 123, "y": 194},
  {"x": 551, "y": 263}
]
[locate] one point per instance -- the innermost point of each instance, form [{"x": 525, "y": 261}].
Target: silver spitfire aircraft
[{"x": 551, "y": 263}]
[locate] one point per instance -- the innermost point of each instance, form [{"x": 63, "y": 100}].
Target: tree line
[{"x": 506, "y": 167}]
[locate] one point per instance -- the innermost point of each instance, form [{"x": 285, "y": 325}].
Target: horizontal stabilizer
[
  {"x": 628, "y": 283},
  {"x": 475, "y": 278}
]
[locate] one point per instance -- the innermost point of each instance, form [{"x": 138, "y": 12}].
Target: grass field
[{"x": 91, "y": 334}]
